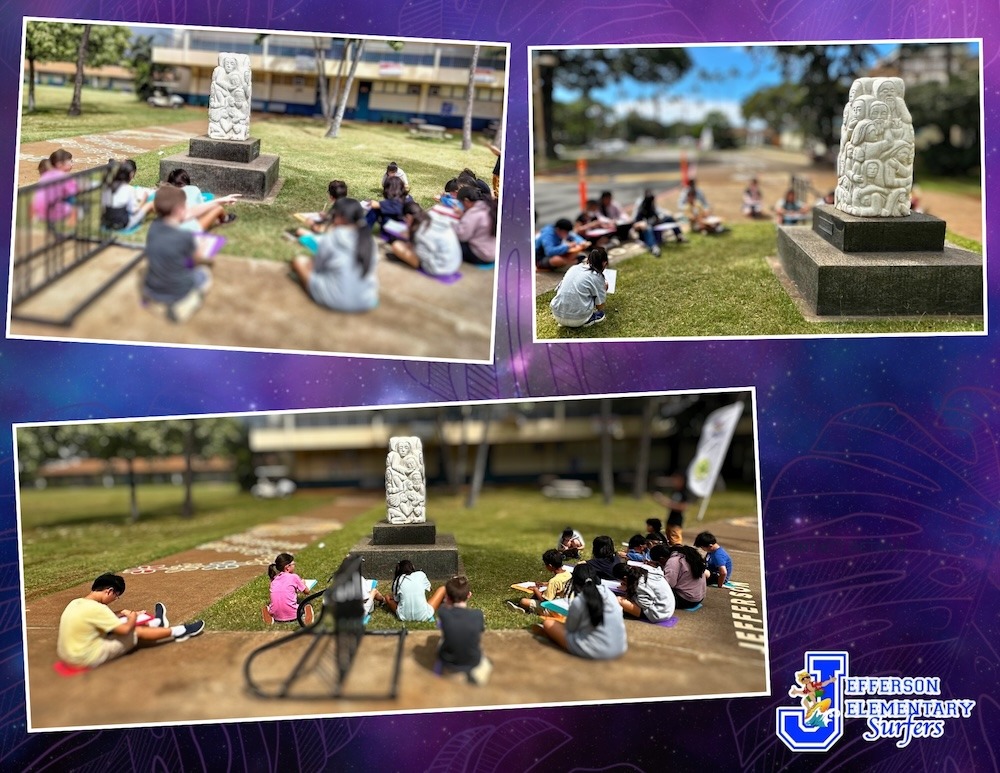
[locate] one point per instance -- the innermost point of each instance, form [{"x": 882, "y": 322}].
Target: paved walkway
[{"x": 710, "y": 651}]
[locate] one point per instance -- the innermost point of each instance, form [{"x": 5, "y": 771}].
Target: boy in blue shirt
[{"x": 720, "y": 565}]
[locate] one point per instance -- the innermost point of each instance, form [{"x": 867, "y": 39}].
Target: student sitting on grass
[
  {"x": 342, "y": 274},
  {"x": 558, "y": 246},
  {"x": 306, "y": 235},
  {"x": 450, "y": 197},
  {"x": 52, "y": 202},
  {"x": 408, "y": 599},
  {"x": 556, "y": 588},
  {"x": 718, "y": 564},
  {"x": 684, "y": 570},
  {"x": 590, "y": 221},
  {"x": 594, "y": 626},
  {"x": 393, "y": 170},
  {"x": 477, "y": 227},
  {"x": 647, "y": 593},
  {"x": 461, "y": 633},
  {"x": 636, "y": 550},
  {"x": 700, "y": 216},
  {"x": 604, "y": 557},
  {"x": 177, "y": 271},
  {"x": 394, "y": 198},
  {"x": 286, "y": 586},
  {"x": 580, "y": 296},
  {"x": 570, "y": 543},
  {"x": 121, "y": 209},
  {"x": 91, "y": 634},
  {"x": 201, "y": 214},
  {"x": 433, "y": 244},
  {"x": 647, "y": 216}
]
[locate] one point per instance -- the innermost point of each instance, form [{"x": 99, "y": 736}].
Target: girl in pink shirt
[{"x": 285, "y": 587}]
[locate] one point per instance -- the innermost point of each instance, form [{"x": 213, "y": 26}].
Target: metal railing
[{"x": 57, "y": 228}]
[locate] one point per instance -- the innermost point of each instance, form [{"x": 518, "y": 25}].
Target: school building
[
  {"x": 422, "y": 80},
  {"x": 526, "y": 442}
]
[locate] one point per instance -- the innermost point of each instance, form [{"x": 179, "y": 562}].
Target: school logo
[
  {"x": 903, "y": 708},
  {"x": 817, "y": 723}
]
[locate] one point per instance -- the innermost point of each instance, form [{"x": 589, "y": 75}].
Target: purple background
[{"x": 879, "y": 458}]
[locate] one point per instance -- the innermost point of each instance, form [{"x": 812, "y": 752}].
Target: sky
[{"x": 721, "y": 78}]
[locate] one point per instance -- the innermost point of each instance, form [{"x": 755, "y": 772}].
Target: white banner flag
[{"x": 712, "y": 446}]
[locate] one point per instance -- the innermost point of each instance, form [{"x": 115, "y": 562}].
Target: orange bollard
[{"x": 581, "y": 172}]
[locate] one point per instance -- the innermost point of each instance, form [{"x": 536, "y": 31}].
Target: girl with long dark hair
[
  {"x": 580, "y": 296},
  {"x": 594, "y": 626},
  {"x": 408, "y": 599},
  {"x": 342, "y": 275}
]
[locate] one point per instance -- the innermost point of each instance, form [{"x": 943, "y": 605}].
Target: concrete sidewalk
[{"x": 202, "y": 679}]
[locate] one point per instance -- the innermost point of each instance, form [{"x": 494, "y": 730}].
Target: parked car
[{"x": 163, "y": 99}]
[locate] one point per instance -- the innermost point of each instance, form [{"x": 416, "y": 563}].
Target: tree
[
  {"x": 778, "y": 106},
  {"x": 470, "y": 98},
  {"x": 45, "y": 42},
  {"x": 129, "y": 441},
  {"x": 81, "y": 57},
  {"x": 141, "y": 63},
  {"x": 824, "y": 75},
  {"x": 722, "y": 129},
  {"x": 95, "y": 47},
  {"x": 359, "y": 47},
  {"x": 953, "y": 109},
  {"x": 584, "y": 70}
]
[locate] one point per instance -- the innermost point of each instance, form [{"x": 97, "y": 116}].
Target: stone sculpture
[
  {"x": 229, "y": 99},
  {"x": 875, "y": 164},
  {"x": 405, "y": 481}
]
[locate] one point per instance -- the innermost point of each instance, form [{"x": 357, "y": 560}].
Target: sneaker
[
  {"x": 597, "y": 316},
  {"x": 655, "y": 249},
  {"x": 266, "y": 614},
  {"x": 517, "y": 607},
  {"x": 191, "y": 629},
  {"x": 307, "y": 615},
  {"x": 160, "y": 615}
]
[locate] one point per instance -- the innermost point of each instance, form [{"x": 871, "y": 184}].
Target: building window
[
  {"x": 434, "y": 91},
  {"x": 413, "y": 89}
]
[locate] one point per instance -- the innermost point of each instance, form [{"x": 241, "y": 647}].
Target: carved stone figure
[
  {"x": 405, "y": 481},
  {"x": 229, "y": 98},
  {"x": 875, "y": 164}
]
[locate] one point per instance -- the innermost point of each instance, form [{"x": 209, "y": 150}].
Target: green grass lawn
[
  {"x": 71, "y": 534},
  {"x": 308, "y": 162},
  {"x": 720, "y": 286},
  {"x": 501, "y": 541},
  {"x": 103, "y": 111}
]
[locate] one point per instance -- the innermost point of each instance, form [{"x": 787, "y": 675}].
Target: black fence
[
  {"x": 338, "y": 626},
  {"x": 57, "y": 228}
]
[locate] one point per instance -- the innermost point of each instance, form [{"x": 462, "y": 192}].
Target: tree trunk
[
  {"x": 187, "y": 510},
  {"x": 482, "y": 454},
  {"x": 81, "y": 57},
  {"x": 359, "y": 47},
  {"x": 324, "y": 97},
  {"x": 640, "y": 484},
  {"x": 607, "y": 469},
  {"x": 547, "y": 80},
  {"x": 133, "y": 499},
  {"x": 31, "y": 85},
  {"x": 337, "y": 83},
  {"x": 470, "y": 98}
]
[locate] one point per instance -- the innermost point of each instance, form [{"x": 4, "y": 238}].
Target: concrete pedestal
[
  {"x": 226, "y": 166},
  {"x": 916, "y": 233},
  {"x": 838, "y": 283},
  {"x": 433, "y": 553}
]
